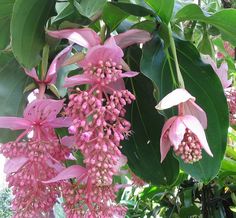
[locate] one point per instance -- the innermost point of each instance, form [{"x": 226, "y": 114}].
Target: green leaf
[
  {"x": 224, "y": 20},
  {"x": 163, "y": 8},
  {"x": 205, "y": 45},
  {"x": 134, "y": 9},
  {"x": 12, "y": 84},
  {"x": 108, "y": 16},
  {"x": 143, "y": 147},
  {"x": 5, "y": 18},
  {"x": 147, "y": 25},
  {"x": 90, "y": 8},
  {"x": 27, "y": 29},
  {"x": 202, "y": 82}
]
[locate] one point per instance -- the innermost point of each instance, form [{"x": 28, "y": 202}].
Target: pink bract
[
  {"x": 188, "y": 106},
  {"x": 222, "y": 71},
  {"x": 186, "y": 134}
]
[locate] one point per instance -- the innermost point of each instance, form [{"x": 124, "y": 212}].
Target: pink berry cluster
[
  {"x": 230, "y": 94},
  {"x": 33, "y": 198},
  {"x": 99, "y": 126}
]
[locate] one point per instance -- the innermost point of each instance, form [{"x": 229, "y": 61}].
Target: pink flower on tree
[
  {"x": 184, "y": 132},
  {"x": 33, "y": 160},
  {"x": 98, "y": 117}
]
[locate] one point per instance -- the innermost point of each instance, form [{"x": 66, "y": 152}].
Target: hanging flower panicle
[
  {"x": 33, "y": 160},
  {"x": 98, "y": 118},
  {"x": 184, "y": 132}
]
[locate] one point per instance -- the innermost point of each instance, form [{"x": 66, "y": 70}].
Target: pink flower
[
  {"x": 103, "y": 63},
  {"x": 186, "y": 135},
  {"x": 186, "y": 103},
  {"x": 52, "y": 71},
  {"x": 222, "y": 71},
  {"x": 38, "y": 115}
]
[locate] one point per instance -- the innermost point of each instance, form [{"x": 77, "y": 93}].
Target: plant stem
[{"x": 173, "y": 49}]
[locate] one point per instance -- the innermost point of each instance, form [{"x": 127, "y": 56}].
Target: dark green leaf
[
  {"x": 163, "y": 8},
  {"x": 27, "y": 29},
  {"x": 202, "y": 82},
  {"x": 147, "y": 25},
  {"x": 90, "y": 8},
  {"x": 205, "y": 46},
  {"x": 5, "y": 18},
  {"x": 224, "y": 20},
  {"x": 134, "y": 9},
  {"x": 143, "y": 147},
  {"x": 12, "y": 84},
  {"x": 108, "y": 16}
]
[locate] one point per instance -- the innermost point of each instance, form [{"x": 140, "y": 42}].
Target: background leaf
[
  {"x": 5, "y": 18},
  {"x": 163, "y": 8},
  {"x": 224, "y": 20},
  {"x": 12, "y": 84},
  {"x": 27, "y": 29},
  {"x": 202, "y": 82}
]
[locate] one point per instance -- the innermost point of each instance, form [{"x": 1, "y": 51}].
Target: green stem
[
  {"x": 103, "y": 32},
  {"x": 173, "y": 49},
  {"x": 171, "y": 69}
]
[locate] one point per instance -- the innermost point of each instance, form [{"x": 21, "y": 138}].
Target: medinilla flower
[
  {"x": 98, "y": 114},
  {"x": 186, "y": 103},
  {"x": 33, "y": 160},
  {"x": 184, "y": 132},
  {"x": 103, "y": 63}
]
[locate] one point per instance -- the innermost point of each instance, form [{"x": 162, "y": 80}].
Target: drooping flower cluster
[
  {"x": 184, "y": 132},
  {"x": 98, "y": 122},
  {"x": 33, "y": 160}
]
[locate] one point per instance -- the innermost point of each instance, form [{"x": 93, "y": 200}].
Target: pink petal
[
  {"x": 60, "y": 122},
  {"x": 118, "y": 85},
  {"x": 56, "y": 64},
  {"x": 191, "y": 108},
  {"x": 174, "y": 98},
  {"x": 103, "y": 53},
  {"x": 195, "y": 126},
  {"x": 14, "y": 164},
  {"x": 222, "y": 73},
  {"x": 129, "y": 74},
  {"x": 176, "y": 132},
  {"x": 84, "y": 37},
  {"x": 164, "y": 140},
  {"x": 74, "y": 171},
  {"x": 14, "y": 123},
  {"x": 68, "y": 141},
  {"x": 131, "y": 37},
  {"x": 55, "y": 165},
  {"x": 78, "y": 80},
  {"x": 32, "y": 73}
]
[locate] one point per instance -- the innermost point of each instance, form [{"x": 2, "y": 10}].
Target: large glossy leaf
[
  {"x": 27, "y": 28},
  {"x": 12, "y": 83},
  {"x": 143, "y": 147},
  {"x": 163, "y": 8},
  {"x": 5, "y": 18},
  {"x": 202, "y": 82},
  {"x": 224, "y": 20}
]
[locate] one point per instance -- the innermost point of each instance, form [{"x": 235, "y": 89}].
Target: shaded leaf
[
  {"x": 5, "y": 18},
  {"x": 27, "y": 29},
  {"x": 12, "y": 84}
]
